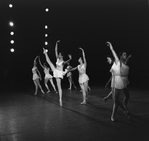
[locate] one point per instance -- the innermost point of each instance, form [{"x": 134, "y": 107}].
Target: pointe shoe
[
  {"x": 69, "y": 88},
  {"x": 105, "y": 99},
  {"x": 48, "y": 91},
  {"x": 35, "y": 94},
  {"x": 60, "y": 103},
  {"x": 42, "y": 91},
  {"x": 112, "y": 119},
  {"x": 82, "y": 103}
]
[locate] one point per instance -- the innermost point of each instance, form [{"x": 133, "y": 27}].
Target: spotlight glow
[
  {"x": 11, "y": 23},
  {"x": 12, "y": 50},
  {"x": 10, "y": 5},
  {"x": 46, "y": 43},
  {"x": 46, "y": 35},
  {"x": 12, "y": 41},
  {"x": 46, "y": 27},
  {"x": 11, "y": 33},
  {"x": 47, "y": 9}
]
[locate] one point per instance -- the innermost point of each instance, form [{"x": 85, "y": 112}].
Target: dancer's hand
[
  {"x": 70, "y": 57},
  {"x": 58, "y": 41},
  {"x": 45, "y": 50},
  {"x": 81, "y": 48},
  {"x": 110, "y": 45}
]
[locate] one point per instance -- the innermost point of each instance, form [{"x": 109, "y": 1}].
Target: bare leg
[
  {"x": 83, "y": 93},
  {"x": 38, "y": 83},
  {"x": 70, "y": 83},
  {"x": 107, "y": 97},
  {"x": 126, "y": 98},
  {"x": 36, "y": 87},
  {"x": 86, "y": 88},
  {"x": 46, "y": 85},
  {"x": 58, "y": 80},
  {"x": 51, "y": 81}
]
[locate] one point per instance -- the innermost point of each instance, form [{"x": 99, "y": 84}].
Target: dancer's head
[
  {"x": 123, "y": 55},
  {"x": 109, "y": 60},
  {"x": 80, "y": 60},
  {"x": 60, "y": 56}
]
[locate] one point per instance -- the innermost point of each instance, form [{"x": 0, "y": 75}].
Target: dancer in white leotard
[
  {"x": 36, "y": 77},
  {"x": 117, "y": 84},
  {"x": 58, "y": 72},
  {"x": 48, "y": 76},
  {"x": 83, "y": 77}
]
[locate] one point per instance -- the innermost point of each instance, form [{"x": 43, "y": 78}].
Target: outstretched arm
[
  {"x": 36, "y": 58},
  {"x": 127, "y": 59},
  {"x": 73, "y": 69},
  {"x": 40, "y": 63},
  {"x": 70, "y": 57},
  {"x": 84, "y": 59},
  {"x": 56, "y": 49},
  {"x": 113, "y": 52}
]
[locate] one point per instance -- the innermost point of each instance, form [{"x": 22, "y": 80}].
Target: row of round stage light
[
  {"x": 11, "y": 24},
  {"x": 46, "y": 30}
]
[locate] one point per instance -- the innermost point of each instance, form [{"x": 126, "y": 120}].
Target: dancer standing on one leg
[
  {"x": 48, "y": 76},
  {"x": 69, "y": 76},
  {"x": 117, "y": 84},
  {"x": 83, "y": 78},
  {"x": 36, "y": 77},
  {"x": 58, "y": 70}
]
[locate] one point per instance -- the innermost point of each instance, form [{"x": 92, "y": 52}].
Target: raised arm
[
  {"x": 127, "y": 59},
  {"x": 56, "y": 49},
  {"x": 70, "y": 57},
  {"x": 40, "y": 63},
  {"x": 36, "y": 58},
  {"x": 113, "y": 52},
  {"x": 84, "y": 59}
]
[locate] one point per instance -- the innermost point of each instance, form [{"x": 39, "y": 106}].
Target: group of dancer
[
  {"x": 119, "y": 78},
  {"x": 58, "y": 73}
]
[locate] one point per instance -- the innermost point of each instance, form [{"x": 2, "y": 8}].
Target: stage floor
[{"x": 25, "y": 117}]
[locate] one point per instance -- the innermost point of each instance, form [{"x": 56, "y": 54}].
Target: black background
[{"x": 77, "y": 23}]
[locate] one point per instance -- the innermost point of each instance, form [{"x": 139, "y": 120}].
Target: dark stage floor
[{"x": 25, "y": 117}]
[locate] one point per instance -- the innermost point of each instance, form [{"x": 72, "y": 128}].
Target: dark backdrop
[{"x": 77, "y": 23}]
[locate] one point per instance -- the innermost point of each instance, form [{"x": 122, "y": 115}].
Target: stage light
[
  {"x": 11, "y": 23},
  {"x": 46, "y": 27},
  {"x": 12, "y": 50},
  {"x": 10, "y": 5},
  {"x": 47, "y": 9},
  {"x": 12, "y": 41},
  {"x": 46, "y": 43},
  {"x": 11, "y": 33},
  {"x": 46, "y": 35}
]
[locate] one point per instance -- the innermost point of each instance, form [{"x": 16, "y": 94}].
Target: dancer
[
  {"x": 124, "y": 74},
  {"x": 69, "y": 76},
  {"x": 117, "y": 84},
  {"x": 48, "y": 76},
  {"x": 36, "y": 77},
  {"x": 83, "y": 77},
  {"x": 124, "y": 69},
  {"x": 58, "y": 70}
]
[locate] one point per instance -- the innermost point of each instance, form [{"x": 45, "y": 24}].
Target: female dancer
[
  {"x": 48, "y": 77},
  {"x": 117, "y": 84},
  {"x": 83, "y": 78},
  {"x": 36, "y": 77},
  {"x": 69, "y": 76},
  {"x": 58, "y": 70},
  {"x": 124, "y": 69}
]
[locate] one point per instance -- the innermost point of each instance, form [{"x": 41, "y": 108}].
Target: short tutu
[
  {"x": 35, "y": 76},
  {"x": 58, "y": 73},
  {"x": 48, "y": 76},
  {"x": 83, "y": 78},
  {"x": 117, "y": 82}
]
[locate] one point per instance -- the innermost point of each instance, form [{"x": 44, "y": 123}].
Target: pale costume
[
  {"x": 82, "y": 74},
  {"x": 124, "y": 74},
  {"x": 58, "y": 71},
  {"x": 35, "y": 75},
  {"x": 47, "y": 74},
  {"x": 69, "y": 72},
  {"x": 116, "y": 81}
]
